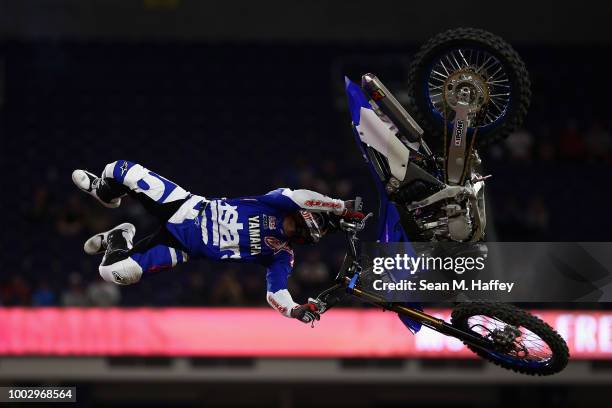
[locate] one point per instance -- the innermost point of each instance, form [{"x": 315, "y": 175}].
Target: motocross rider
[{"x": 259, "y": 229}]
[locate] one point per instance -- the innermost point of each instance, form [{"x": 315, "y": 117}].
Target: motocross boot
[
  {"x": 98, "y": 243},
  {"x": 96, "y": 187}
]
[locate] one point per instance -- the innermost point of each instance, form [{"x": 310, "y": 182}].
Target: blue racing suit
[{"x": 245, "y": 229}]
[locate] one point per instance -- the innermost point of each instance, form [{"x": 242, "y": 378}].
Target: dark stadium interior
[
  {"x": 244, "y": 108},
  {"x": 209, "y": 117}
]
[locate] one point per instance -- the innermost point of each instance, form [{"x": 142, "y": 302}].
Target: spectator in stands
[
  {"x": 537, "y": 218},
  {"x": 16, "y": 293},
  {"x": 40, "y": 208},
  {"x": 103, "y": 294},
  {"x": 520, "y": 144},
  {"x": 227, "y": 289},
  {"x": 571, "y": 142},
  {"x": 546, "y": 143},
  {"x": 252, "y": 287},
  {"x": 75, "y": 294},
  {"x": 72, "y": 217},
  {"x": 598, "y": 142},
  {"x": 43, "y": 295},
  {"x": 312, "y": 273},
  {"x": 196, "y": 293}
]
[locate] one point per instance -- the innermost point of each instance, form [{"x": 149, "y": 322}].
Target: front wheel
[{"x": 522, "y": 342}]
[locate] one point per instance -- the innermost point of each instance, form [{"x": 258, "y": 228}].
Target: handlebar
[
  {"x": 325, "y": 300},
  {"x": 351, "y": 228}
]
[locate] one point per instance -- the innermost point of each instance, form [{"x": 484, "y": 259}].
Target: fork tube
[
  {"x": 414, "y": 314},
  {"x": 456, "y": 160},
  {"x": 429, "y": 321}
]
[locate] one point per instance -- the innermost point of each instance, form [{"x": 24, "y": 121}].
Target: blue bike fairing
[
  {"x": 356, "y": 100},
  {"x": 389, "y": 228}
]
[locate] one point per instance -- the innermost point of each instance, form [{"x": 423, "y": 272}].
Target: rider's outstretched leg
[
  {"x": 124, "y": 263},
  {"x": 160, "y": 196}
]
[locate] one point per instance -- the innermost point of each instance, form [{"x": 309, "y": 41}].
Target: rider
[{"x": 259, "y": 229}]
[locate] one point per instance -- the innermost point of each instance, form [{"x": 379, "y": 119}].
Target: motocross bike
[{"x": 468, "y": 88}]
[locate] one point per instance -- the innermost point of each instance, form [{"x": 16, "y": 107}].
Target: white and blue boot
[
  {"x": 90, "y": 183},
  {"x": 98, "y": 244}
]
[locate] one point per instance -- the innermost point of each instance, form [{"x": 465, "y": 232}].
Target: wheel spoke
[
  {"x": 440, "y": 74},
  {"x": 498, "y": 81},
  {"x": 444, "y": 68},
  {"x": 485, "y": 69},
  {"x": 451, "y": 63},
  {"x": 495, "y": 104},
  {"x": 479, "y": 69},
  {"x": 455, "y": 59},
  {"x": 464, "y": 60},
  {"x": 492, "y": 76}
]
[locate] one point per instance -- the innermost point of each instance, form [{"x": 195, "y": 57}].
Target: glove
[
  {"x": 350, "y": 212},
  {"x": 306, "y": 313}
]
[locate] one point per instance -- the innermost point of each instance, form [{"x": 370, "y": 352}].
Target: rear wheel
[
  {"x": 522, "y": 342},
  {"x": 473, "y": 60}
]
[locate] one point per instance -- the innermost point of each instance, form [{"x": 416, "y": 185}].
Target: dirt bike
[{"x": 467, "y": 88}]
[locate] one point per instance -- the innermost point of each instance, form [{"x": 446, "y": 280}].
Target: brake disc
[{"x": 467, "y": 87}]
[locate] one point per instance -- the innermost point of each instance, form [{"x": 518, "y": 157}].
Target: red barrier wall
[{"x": 257, "y": 332}]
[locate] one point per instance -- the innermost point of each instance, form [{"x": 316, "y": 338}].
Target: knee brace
[
  {"x": 124, "y": 272},
  {"x": 119, "y": 169}
]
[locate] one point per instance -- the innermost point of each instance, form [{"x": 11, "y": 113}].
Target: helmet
[{"x": 310, "y": 227}]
